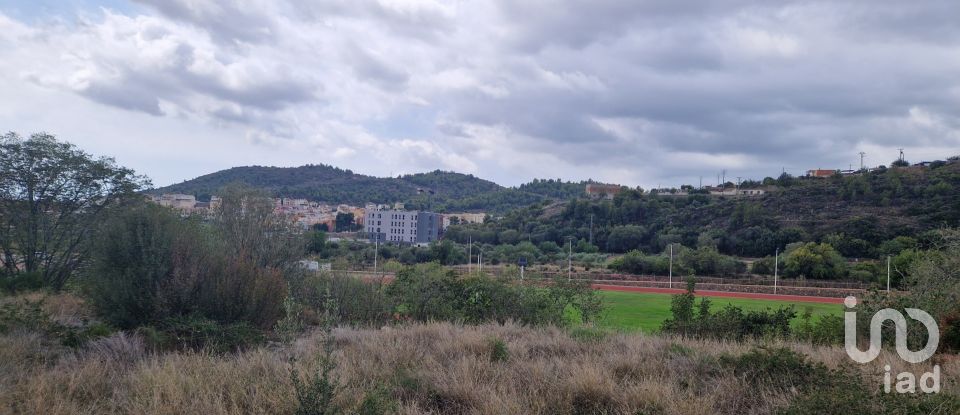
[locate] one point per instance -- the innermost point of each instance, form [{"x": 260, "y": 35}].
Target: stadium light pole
[
  {"x": 776, "y": 268},
  {"x": 670, "y": 284}
]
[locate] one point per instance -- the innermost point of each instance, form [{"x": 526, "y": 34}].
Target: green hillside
[
  {"x": 437, "y": 190},
  {"x": 860, "y": 215}
]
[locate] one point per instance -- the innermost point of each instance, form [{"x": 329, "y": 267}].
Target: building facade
[
  {"x": 603, "y": 191},
  {"x": 400, "y": 226}
]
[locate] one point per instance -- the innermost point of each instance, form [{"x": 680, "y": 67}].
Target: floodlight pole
[
  {"x": 776, "y": 268},
  {"x": 671, "y": 266}
]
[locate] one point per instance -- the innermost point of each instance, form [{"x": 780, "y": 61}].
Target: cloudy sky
[{"x": 631, "y": 92}]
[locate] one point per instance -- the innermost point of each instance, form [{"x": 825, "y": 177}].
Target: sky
[{"x": 640, "y": 93}]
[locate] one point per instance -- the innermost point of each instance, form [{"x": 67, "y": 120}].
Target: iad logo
[{"x": 906, "y": 381}]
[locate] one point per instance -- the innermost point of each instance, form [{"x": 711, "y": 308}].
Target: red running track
[{"x": 727, "y": 294}]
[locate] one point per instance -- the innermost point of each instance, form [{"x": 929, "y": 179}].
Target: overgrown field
[
  {"x": 647, "y": 311},
  {"x": 450, "y": 369}
]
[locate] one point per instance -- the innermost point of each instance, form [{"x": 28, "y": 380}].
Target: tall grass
[{"x": 419, "y": 368}]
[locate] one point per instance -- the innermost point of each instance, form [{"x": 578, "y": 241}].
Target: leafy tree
[
  {"x": 344, "y": 222},
  {"x": 625, "y": 238},
  {"x": 149, "y": 266},
  {"x": 249, "y": 228},
  {"x": 817, "y": 261},
  {"x": 52, "y": 197}
]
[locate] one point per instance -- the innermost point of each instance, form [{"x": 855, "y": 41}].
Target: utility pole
[
  {"x": 776, "y": 268},
  {"x": 901, "y": 154},
  {"x": 861, "y": 160},
  {"x": 569, "y": 258},
  {"x": 376, "y": 246},
  {"x": 724, "y": 180},
  {"x": 670, "y": 283},
  {"x": 469, "y": 254},
  {"x": 480, "y": 262}
]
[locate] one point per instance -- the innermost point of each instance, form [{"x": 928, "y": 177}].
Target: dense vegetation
[{"x": 439, "y": 191}]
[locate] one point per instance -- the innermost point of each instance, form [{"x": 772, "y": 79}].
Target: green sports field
[{"x": 645, "y": 312}]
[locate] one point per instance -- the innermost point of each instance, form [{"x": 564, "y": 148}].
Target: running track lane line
[{"x": 727, "y": 294}]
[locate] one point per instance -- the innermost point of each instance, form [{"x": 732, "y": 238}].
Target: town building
[
  {"x": 402, "y": 226},
  {"x": 178, "y": 201},
  {"x": 820, "y": 173},
  {"x": 461, "y": 218},
  {"x": 603, "y": 191}
]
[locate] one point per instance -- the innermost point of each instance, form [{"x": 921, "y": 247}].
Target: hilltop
[{"x": 437, "y": 190}]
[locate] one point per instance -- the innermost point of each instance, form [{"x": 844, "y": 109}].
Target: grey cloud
[
  {"x": 120, "y": 96},
  {"x": 686, "y": 88},
  {"x": 230, "y": 20},
  {"x": 373, "y": 69}
]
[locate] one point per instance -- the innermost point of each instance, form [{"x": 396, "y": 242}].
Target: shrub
[
  {"x": 429, "y": 292},
  {"x": 498, "y": 351},
  {"x": 150, "y": 265},
  {"x": 196, "y": 333},
  {"x": 731, "y": 322},
  {"x": 315, "y": 394},
  {"x": 826, "y": 330},
  {"x": 26, "y": 314},
  {"x": 817, "y": 261},
  {"x": 20, "y": 282}
]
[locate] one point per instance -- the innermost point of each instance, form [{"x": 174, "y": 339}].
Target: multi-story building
[{"x": 402, "y": 226}]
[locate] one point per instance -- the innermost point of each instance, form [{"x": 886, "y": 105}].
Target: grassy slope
[{"x": 645, "y": 312}]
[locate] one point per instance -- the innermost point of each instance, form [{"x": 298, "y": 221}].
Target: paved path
[{"x": 726, "y": 294}]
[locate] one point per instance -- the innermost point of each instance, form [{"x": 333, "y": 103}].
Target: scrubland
[{"x": 444, "y": 368}]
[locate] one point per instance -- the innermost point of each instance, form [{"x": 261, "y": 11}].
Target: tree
[
  {"x": 813, "y": 260},
  {"x": 52, "y": 198},
  {"x": 900, "y": 163},
  {"x": 344, "y": 222},
  {"x": 250, "y": 229},
  {"x": 625, "y": 238}
]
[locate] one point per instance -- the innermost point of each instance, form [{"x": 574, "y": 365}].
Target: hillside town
[{"x": 336, "y": 218}]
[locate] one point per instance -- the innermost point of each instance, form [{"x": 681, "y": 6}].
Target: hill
[
  {"x": 331, "y": 184},
  {"x": 860, "y": 214},
  {"x": 440, "y": 191}
]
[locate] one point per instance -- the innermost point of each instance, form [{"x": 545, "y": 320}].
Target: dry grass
[{"x": 426, "y": 368}]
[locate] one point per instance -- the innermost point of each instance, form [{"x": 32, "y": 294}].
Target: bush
[
  {"x": 763, "y": 266},
  {"x": 826, "y": 330},
  {"x": 730, "y": 323},
  {"x": 26, "y": 314},
  {"x": 430, "y": 292},
  {"x": 357, "y": 302},
  {"x": 150, "y": 265},
  {"x": 20, "y": 282},
  {"x": 498, "y": 351},
  {"x": 635, "y": 262},
  {"x": 817, "y": 261},
  {"x": 198, "y": 333}
]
